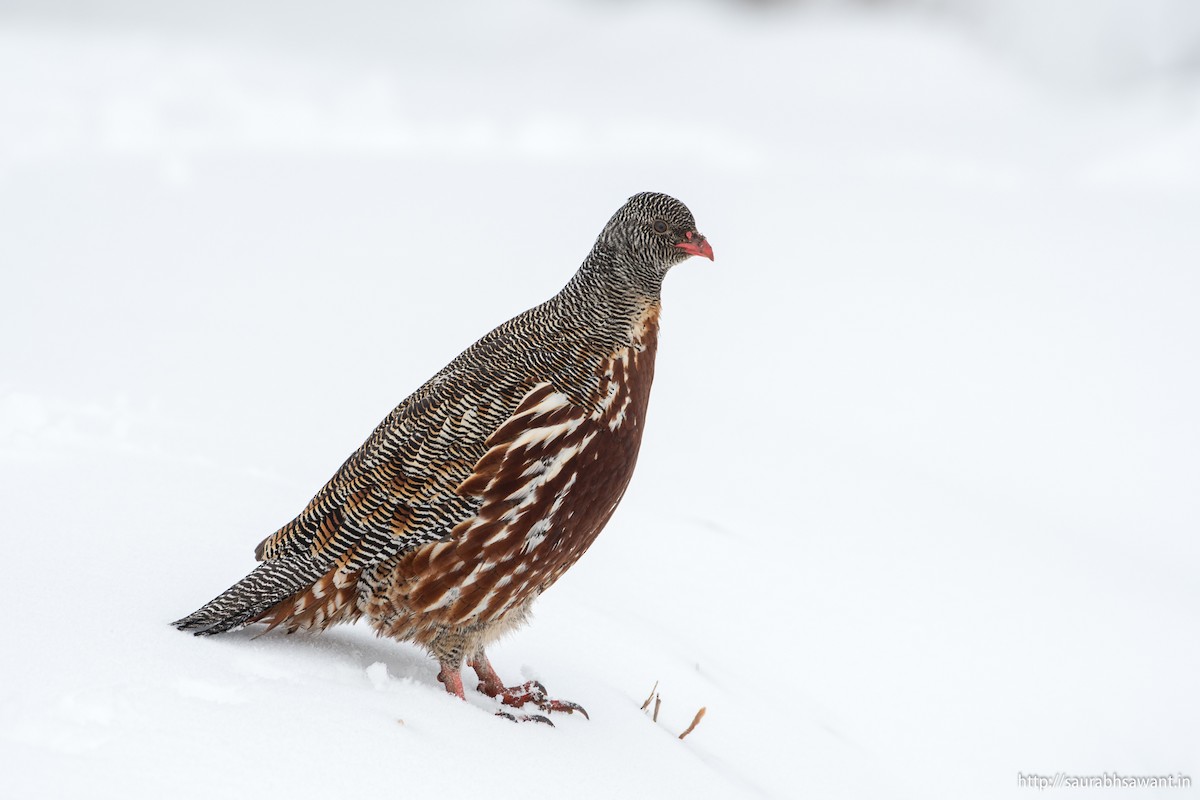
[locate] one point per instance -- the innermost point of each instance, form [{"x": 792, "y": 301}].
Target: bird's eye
[{"x": 659, "y": 226}]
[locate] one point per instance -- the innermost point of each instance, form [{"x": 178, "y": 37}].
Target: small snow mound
[{"x": 377, "y": 673}]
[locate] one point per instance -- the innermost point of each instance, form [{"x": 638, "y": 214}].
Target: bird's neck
[{"x": 615, "y": 284}]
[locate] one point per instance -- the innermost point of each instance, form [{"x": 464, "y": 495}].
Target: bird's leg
[
  {"x": 517, "y": 696},
  {"x": 451, "y": 678},
  {"x": 489, "y": 682}
]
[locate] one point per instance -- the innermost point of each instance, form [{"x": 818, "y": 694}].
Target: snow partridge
[{"x": 486, "y": 484}]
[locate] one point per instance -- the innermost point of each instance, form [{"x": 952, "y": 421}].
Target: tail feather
[
  {"x": 270, "y": 583},
  {"x": 328, "y": 601}
]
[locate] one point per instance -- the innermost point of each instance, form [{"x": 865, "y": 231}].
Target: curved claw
[
  {"x": 525, "y": 718},
  {"x": 563, "y": 705}
]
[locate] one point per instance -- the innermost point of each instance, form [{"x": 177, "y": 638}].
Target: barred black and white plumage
[{"x": 480, "y": 489}]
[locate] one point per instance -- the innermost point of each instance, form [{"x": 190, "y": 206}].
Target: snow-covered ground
[{"x": 917, "y": 510}]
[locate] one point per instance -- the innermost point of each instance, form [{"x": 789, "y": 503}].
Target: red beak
[{"x": 696, "y": 245}]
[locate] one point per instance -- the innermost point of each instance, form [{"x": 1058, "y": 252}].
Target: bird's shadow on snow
[{"x": 337, "y": 650}]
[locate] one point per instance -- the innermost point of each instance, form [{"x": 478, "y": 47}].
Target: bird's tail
[{"x": 249, "y": 599}]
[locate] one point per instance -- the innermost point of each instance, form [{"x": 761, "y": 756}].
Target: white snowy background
[{"x": 918, "y": 505}]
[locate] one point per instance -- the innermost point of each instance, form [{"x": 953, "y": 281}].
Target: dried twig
[
  {"x": 696, "y": 721},
  {"x": 646, "y": 704},
  {"x": 657, "y": 699}
]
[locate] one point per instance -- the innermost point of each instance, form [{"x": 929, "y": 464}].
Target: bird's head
[{"x": 653, "y": 232}]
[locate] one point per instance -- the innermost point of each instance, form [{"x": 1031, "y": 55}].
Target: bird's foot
[
  {"x": 518, "y": 696},
  {"x": 531, "y": 692}
]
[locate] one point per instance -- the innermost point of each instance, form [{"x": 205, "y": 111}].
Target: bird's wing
[
  {"x": 394, "y": 493},
  {"x": 402, "y": 487},
  {"x": 398, "y": 490}
]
